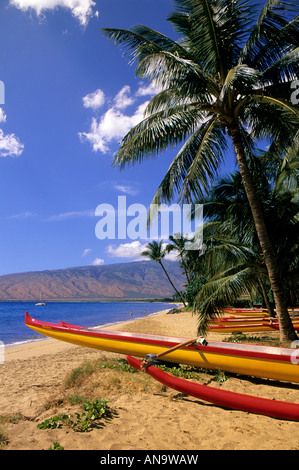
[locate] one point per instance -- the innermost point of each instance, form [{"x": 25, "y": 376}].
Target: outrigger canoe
[
  {"x": 252, "y": 312},
  {"x": 233, "y": 324},
  {"x": 253, "y": 360},
  {"x": 223, "y": 398}
]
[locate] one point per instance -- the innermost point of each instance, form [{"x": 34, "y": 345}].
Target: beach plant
[
  {"x": 79, "y": 422},
  {"x": 226, "y": 80},
  {"x": 3, "y": 439},
  {"x": 56, "y": 446}
]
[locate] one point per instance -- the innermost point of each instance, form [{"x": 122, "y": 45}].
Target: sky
[{"x": 67, "y": 97}]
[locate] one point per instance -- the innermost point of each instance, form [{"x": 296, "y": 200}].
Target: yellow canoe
[{"x": 254, "y": 360}]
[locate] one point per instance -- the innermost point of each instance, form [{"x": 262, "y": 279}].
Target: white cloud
[
  {"x": 82, "y": 10},
  {"x": 133, "y": 251},
  {"x": 86, "y": 252},
  {"x": 123, "y": 99},
  {"x": 126, "y": 189},
  {"x": 126, "y": 250},
  {"x": 23, "y": 215},
  {"x": 98, "y": 262},
  {"x": 112, "y": 126},
  {"x": 10, "y": 146},
  {"x": 71, "y": 215},
  {"x": 2, "y": 115},
  {"x": 115, "y": 123},
  {"x": 94, "y": 100},
  {"x": 148, "y": 90}
]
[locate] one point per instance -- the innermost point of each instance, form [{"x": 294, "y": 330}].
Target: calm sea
[{"x": 12, "y": 316}]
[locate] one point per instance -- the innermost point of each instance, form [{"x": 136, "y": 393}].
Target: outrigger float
[
  {"x": 254, "y": 360},
  {"x": 223, "y": 398}
]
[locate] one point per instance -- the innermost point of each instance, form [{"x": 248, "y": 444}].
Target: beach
[{"x": 144, "y": 414}]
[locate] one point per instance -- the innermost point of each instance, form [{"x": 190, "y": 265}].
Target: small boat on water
[
  {"x": 223, "y": 398},
  {"x": 254, "y": 360},
  {"x": 41, "y": 302}
]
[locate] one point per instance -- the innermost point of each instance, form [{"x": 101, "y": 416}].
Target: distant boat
[{"x": 41, "y": 302}]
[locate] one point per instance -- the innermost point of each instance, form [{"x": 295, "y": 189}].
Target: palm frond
[
  {"x": 222, "y": 292},
  {"x": 218, "y": 28},
  {"x": 157, "y": 132},
  {"x": 285, "y": 69},
  {"x": 271, "y": 117},
  {"x": 169, "y": 70},
  {"x": 194, "y": 166},
  {"x": 288, "y": 177},
  {"x": 270, "y": 35},
  {"x": 242, "y": 80}
]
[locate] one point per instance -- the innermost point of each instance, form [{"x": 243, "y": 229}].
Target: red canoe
[{"x": 223, "y": 398}]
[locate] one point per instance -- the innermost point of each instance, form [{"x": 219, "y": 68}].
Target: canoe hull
[
  {"x": 259, "y": 361},
  {"x": 231, "y": 327}
]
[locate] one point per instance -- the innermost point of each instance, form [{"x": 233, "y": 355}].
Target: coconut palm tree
[
  {"x": 156, "y": 252},
  {"x": 178, "y": 244},
  {"x": 232, "y": 250},
  {"x": 228, "y": 77}
]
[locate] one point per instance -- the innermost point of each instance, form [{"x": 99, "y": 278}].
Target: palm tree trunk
[
  {"x": 268, "y": 304},
  {"x": 162, "y": 266},
  {"x": 185, "y": 269},
  {"x": 287, "y": 332}
]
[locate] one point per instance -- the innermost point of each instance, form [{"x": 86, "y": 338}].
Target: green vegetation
[
  {"x": 56, "y": 446},
  {"x": 80, "y": 422},
  {"x": 3, "y": 439},
  {"x": 242, "y": 338}
]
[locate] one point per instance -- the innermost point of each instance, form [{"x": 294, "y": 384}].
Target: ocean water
[{"x": 12, "y": 316}]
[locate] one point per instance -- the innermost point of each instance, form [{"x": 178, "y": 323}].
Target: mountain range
[{"x": 120, "y": 281}]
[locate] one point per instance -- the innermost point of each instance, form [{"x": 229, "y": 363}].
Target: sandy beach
[{"x": 143, "y": 414}]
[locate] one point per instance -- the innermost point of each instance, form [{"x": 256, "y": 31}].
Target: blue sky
[{"x": 69, "y": 98}]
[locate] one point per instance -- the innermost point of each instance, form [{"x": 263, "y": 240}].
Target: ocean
[{"x": 12, "y": 316}]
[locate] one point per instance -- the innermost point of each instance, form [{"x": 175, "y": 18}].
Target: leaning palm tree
[
  {"x": 228, "y": 77},
  {"x": 179, "y": 244},
  {"x": 155, "y": 252}
]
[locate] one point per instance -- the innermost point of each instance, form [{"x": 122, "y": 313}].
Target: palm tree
[
  {"x": 232, "y": 267},
  {"x": 228, "y": 77},
  {"x": 178, "y": 244},
  {"x": 233, "y": 258},
  {"x": 155, "y": 252}
]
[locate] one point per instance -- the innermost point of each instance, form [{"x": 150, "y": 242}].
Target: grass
[{"x": 243, "y": 338}]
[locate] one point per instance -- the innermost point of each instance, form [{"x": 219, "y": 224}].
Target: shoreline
[
  {"x": 35, "y": 347},
  {"x": 145, "y": 418},
  {"x": 13, "y": 330}
]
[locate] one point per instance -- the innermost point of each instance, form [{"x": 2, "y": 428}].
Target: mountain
[{"x": 121, "y": 281}]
